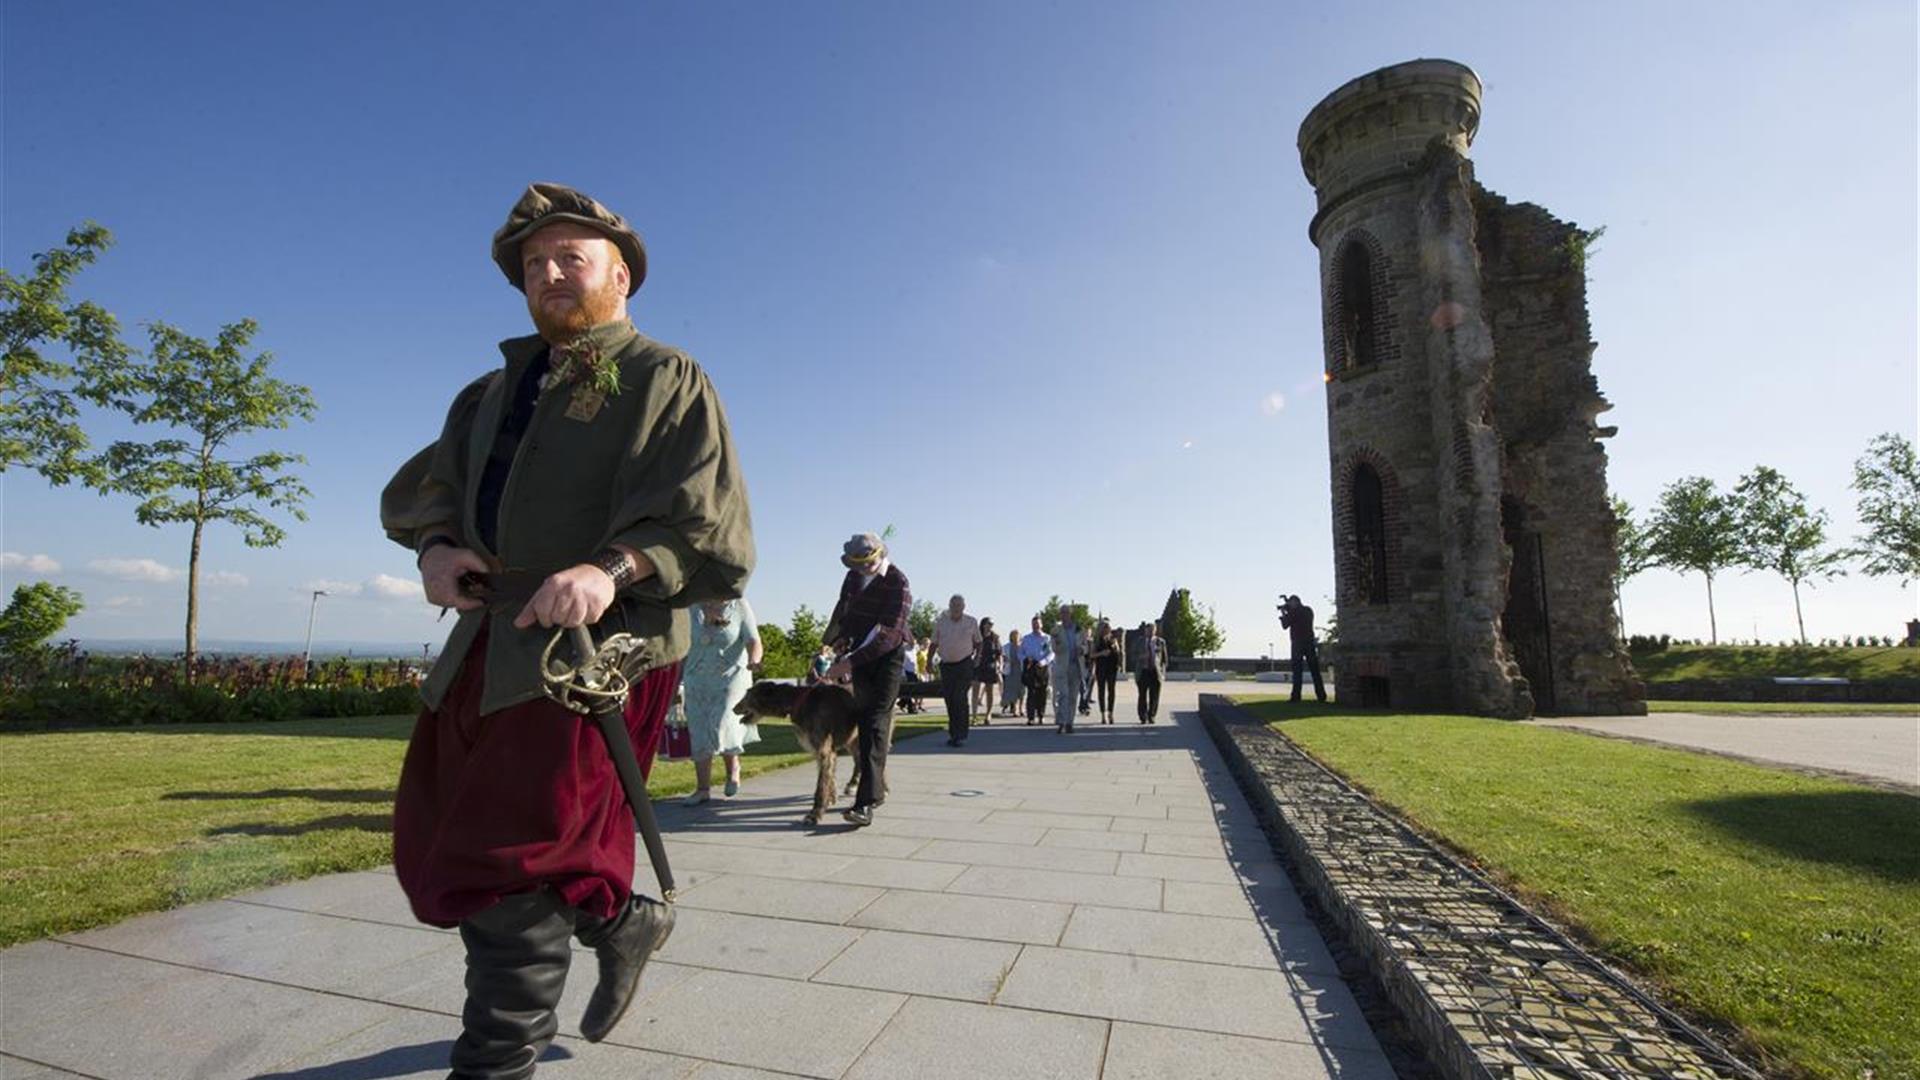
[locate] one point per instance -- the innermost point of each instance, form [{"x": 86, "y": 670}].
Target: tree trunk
[
  {"x": 1796, "y": 612},
  {"x": 1713, "y": 624},
  {"x": 193, "y": 599}
]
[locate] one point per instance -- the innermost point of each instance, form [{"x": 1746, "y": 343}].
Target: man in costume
[
  {"x": 595, "y": 468},
  {"x": 869, "y": 629}
]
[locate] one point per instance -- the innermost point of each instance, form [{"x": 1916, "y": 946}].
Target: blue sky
[{"x": 1021, "y": 280}]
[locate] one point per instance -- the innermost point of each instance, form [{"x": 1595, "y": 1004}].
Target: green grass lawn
[
  {"x": 105, "y": 824},
  {"x": 1782, "y": 905},
  {"x": 1787, "y": 708},
  {"x": 1762, "y": 661}
]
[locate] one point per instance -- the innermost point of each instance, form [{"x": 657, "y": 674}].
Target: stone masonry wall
[
  {"x": 1460, "y": 363},
  {"x": 1545, "y": 401},
  {"x": 1380, "y": 415}
]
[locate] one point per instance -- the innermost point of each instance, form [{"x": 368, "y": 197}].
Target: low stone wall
[
  {"x": 1488, "y": 989},
  {"x": 1871, "y": 690}
]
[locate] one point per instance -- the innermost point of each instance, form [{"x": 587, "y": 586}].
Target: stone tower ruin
[{"x": 1473, "y": 541}]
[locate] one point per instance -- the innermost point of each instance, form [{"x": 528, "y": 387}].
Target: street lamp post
[{"x": 306, "y": 658}]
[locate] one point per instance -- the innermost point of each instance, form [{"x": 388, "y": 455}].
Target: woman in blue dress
[{"x": 718, "y": 670}]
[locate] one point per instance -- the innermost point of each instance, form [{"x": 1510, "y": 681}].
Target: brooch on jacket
[{"x": 591, "y": 371}]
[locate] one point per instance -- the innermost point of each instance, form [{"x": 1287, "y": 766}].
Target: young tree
[
  {"x": 777, "y": 659},
  {"x": 1695, "y": 527},
  {"x": 36, "y": 613},
  {"x": 212, "y": 394},
  {"x": 1887, "y": 477},
  {"x": 1051, "y": 614},
  {"x": 39, "y": 413},
  {"x": 805, "y": 633},
  {"x": 1193, "y": 632},
  {"x": 1779, "y": 533},
  {"x": 1635, "y": 549},
  {"x": 920, "y": 618}
]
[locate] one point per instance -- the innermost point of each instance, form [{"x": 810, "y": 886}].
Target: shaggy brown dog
[{"x": 822, "y": 717}]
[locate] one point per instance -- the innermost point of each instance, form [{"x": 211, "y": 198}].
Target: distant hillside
[{"x": 359, "y": 650}]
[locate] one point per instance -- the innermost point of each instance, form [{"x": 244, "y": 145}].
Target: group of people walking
[{"x": 1078, "y": 667}]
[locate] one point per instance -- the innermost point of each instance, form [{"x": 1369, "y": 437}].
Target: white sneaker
[{"x": 697, "y": 798}]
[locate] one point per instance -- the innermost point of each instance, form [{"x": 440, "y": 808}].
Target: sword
[{"x": 595, "y": 686}]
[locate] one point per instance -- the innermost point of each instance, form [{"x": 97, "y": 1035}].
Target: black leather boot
[
  {"x": 623, "y": 945},
  {"x": 517, "y": 955}
]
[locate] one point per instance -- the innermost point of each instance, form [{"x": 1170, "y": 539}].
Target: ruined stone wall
[
  {"x": 1460, "y": 365},
  {"x": 1545, "y": 401}
]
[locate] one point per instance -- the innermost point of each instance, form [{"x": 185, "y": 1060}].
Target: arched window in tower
[
  {"x": 1357, "y": 315},
  {"x": 1370, "y": 534}
]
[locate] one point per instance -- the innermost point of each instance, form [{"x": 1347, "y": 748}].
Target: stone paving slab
[
  {"x": 925, "y": 964},
  {"x": 1097, "y": 905},
  {"x": 950, "y": 1040}
]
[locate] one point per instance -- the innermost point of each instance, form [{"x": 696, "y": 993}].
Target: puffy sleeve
[
  {"x": 749, "y": 626},
  {"x": 425, "y": 495},
  {"x": 680, "y": 498}
]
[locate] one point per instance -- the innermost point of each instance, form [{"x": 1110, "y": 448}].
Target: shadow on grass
[
  {"x": 398, "y": 1061},
  {"x": 1873, "y": 832},
  {"x": 330, "y": 795},
  {"x": 375, "y": 823}
]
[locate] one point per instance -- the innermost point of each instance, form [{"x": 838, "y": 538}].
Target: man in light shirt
[
  {"x": 956, "y": 643},
  {"x": 1036, "y": 658}
]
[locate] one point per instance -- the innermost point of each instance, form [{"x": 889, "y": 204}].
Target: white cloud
[
  {"x": 332, "y": 587},
  {"x": 223, "y": 577},
  {"x": 32, "y": 564},
  {"x": 134, "y": 570},
  {"x": 121, "y": 603},
  {"x": 1273, "y": 403},
  {"x": 393, "y": 588}
]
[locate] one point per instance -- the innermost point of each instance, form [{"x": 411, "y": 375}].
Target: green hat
[{"x": 545, "y": 204}]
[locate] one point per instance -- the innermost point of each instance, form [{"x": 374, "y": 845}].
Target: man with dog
[
  {"x": 956, "y": 641},
  {"x": 869, "y": 629},
  {"x": 589, "y": 481}
]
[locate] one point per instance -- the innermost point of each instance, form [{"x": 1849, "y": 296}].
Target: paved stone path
[
  {"x": 1094, "y": 905},
  {"x": 1884, "y": 747}
]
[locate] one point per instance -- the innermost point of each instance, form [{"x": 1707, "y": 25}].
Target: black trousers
[
  {"x": 1307, "y": 654},
  {"x": 1037, "y": 695},
  {"x": 1149, "y": 684},
  {"x": 956, "y": 678},
  {"x": 1105, "y": 674},
  {"x": 875, "y": 686}
]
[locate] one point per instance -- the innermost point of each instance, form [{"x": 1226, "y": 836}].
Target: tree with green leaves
[
  {"x": 32, "y": 617},
  {"x": 1778, "y": 532},
  {"x": 1050, "y": 614},
  {"x": 1192, "y": 630},
  {"x": 920, "y": 618},
  {"x": 1696, "y": 527},
  {"x": 805, "y": 633},
  {"x": 57, "y": 354},
  {"x": 777, "y": 659},
  {"x": 211, "y": 394},
  {"x": 1635, "y": 550},
  {"x": 1887, "y": 477}
]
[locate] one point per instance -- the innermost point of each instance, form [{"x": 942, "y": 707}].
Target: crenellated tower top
[{"x": 1373, "y": 131}]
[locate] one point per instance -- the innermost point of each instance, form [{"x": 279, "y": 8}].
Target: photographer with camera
[{"x": 1297, "y": 618}]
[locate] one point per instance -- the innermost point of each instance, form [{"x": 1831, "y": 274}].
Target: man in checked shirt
[{"x": 868, "y": 629}]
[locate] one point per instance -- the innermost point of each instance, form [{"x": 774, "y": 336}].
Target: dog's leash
[{"x": 596, "y": 686}]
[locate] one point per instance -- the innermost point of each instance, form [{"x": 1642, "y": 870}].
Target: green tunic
[{"x": 653, "y": 468}]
